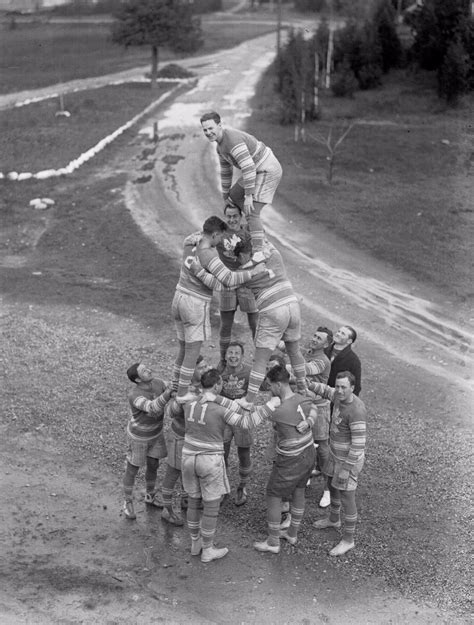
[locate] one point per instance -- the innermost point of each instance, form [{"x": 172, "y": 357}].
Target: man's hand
[
  {"x": 206, "y": 397},
  {"x": 303, "y": 426},
  {"x": 340, "y": 480},
  {"x": 248, "y": 204},
  {"x": 274, "y": 402},
  {"x": 260, "y": 268},
  {"x": 195, "y": 264},
  {"x": 243, "y": 403},
  {"x": 225, "y": 195}
]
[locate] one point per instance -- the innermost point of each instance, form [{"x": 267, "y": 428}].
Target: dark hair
[
  {"x": 278, "y": 374},
  {"x": 236, "y": 344},
  {"x": 280, "y": 360},
  {"x": 132, "y": 372},
  {"x": 242, "y": 247},
  {"x": 209, "y": 378},
  {"x": 347, "y": 374},
  {"x": 212, "y": 116},
  {"x": 353, "y": 333},
  {"x": 214, "y": 224},
  {"x": 326, "y": 331}
]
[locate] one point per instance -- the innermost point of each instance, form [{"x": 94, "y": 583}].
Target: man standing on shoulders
[
  {"x": 347, "y": 439},
  {"x": 235, "y": 379},
  {"x": 343, "y": 358},
  {"x": 261, "y": 173}
]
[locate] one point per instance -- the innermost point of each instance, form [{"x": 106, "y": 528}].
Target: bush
[
  {"x": 307, "y": 6},
  {"x": 453, "y": 73},
  {"x": 174, "y": 71},
  {"x": 344, "y": 83}
]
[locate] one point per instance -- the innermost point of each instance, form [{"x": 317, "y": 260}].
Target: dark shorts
[{"x": 290, "y": 472}]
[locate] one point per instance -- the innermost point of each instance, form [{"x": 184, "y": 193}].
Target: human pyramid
[{"x": 319, "y": 422}]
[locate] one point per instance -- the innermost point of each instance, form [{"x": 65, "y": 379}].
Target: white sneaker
[
  {"x": 325, "y": 499},
  {"x": 212, "y": 553}
]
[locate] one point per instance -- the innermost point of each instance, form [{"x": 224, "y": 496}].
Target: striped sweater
[
  {"x": 347, "y": 434},
  {"x": 213, "y": 273},
  {"x": 205, "y": 424},
  {"x": 243, "y": 151},
  {"x": 147, "y": 406},
  {"x": 275, "y": 289}
]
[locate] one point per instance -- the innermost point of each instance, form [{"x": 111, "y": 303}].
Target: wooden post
[{"x": 155, "y": 132}]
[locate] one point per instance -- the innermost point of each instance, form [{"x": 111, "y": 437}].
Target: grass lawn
[
  {"x": 403, "y": 183},
  {"x": 33, "y": 138},
  {"x": 37, "y": 55}
]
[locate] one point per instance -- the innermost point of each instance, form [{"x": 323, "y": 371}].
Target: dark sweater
[{"x": 345, "y": 360}]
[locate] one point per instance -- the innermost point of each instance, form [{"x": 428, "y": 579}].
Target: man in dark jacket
[{"x": 343, "y": 358}]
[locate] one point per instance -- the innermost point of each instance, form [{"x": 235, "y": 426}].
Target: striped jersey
[
  {"x": 347, "y": 433},
  {"x": 243, "y": 151},
  {"x": 212, "y": 274},
  {"x": 275, "y": 289},
  {"x": 317, "y": 368},
  {"x": 235, "y": 382},
  {"x": 147, "y": 406}
]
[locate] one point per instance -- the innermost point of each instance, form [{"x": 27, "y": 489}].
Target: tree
[
  {"x": 384, "y": 22},
  {"x": 453, "y": 73},
  {"x": 157, "y": 23}
]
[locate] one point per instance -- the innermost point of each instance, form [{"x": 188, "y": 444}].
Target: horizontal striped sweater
[
  {"x": 274, "y": 289},
  {"x": 147, "y": 406},
  {"x": 205, "y": 424},
  {"x": 347, "y": 434},
  {"x": 243, "y": 151},
  {"x": 212, "y": 274}
]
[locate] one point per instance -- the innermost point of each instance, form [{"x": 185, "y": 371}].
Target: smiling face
[
  {"x": 233, "y": 217},
  {"x": 344, "y": 389},
  {"x": 319, "y": 340},
  {"x": 212, "y": 130},
  {"x": 234, "y": 356}
]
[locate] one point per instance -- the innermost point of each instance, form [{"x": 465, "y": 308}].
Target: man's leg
[
  {"x": 350, "y": 520},
  {"x": 257, "y": 375},
  {"x": 257, "y": 233},
  {"x": 297, "y": 512},
  {"x": 225, "y": 331},
  {"x": 322, "y": 454},
  {"x": 128, "y": 483},
  {"x": 177, "y": 363},
  {"x": 245, "y": 469},
  {"x": 191, "y": 353},
  {"x": 151, "y": 470},
  {"x": 334, "y": 518},
  {"x": 193, "y": 520},
  {"x": 252, "y": 319},
  {"x": 272, "y": 542},
  {"x": 172, "y": 475},
  {"x": 297, "y": 363},
  {"x": 208, "y": 530}
]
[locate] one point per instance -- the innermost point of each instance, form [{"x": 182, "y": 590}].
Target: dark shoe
[{"x": 241, "y": 496}]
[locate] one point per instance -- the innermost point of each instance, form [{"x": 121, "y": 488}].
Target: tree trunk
[{"x": 154, "y": 65}]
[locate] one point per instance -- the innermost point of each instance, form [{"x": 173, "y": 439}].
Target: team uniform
[
  {"x": 235, "y": 384},
  {"x": 145, "y": 428},
  {"x": 347, "y": 437},
  {"x": 261, "y": 174}
]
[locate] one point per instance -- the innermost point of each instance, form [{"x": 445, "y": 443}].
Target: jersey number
[{"x": 201, "y": 420}]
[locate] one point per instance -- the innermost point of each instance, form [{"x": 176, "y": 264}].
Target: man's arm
[
  {"x": 316, "y": 366},
  {"x": 323, "y": 390},
  {"x": 235, "y": 415},
  {"x": 243, "y": 158},
  {"x": 156, "y": 405},
  {"x": 228, "y": 278},
  {"x": 226, "y": 176}
]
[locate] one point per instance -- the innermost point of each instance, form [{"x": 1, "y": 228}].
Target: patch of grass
[
  {"x": 33, "y": 138},
  {"x": 37, "y": 55},
  {"x": 403, "y": 184}
]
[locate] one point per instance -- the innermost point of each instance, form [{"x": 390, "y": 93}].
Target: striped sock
[
  {"x": 255, "y": 382},
  {"x": 209, "y": 522},
  {"x": 185, "y": 377},
  {"x": 193, "y": 517}
]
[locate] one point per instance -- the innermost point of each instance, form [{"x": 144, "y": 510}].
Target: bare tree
[{"x": 332, "y": 145}]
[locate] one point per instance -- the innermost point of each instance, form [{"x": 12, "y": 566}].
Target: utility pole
[{"x": 278, "y": 44}]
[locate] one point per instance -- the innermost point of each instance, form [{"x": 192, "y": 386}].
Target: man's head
[
  {"x": 139, "y": 372},
  {"x": 344, "y": 385},
  {"x": 243, "y": 251},
  {"x": 234, "y": 354},
  {"x": 213, "y": 228},
  {"x": 321, "y": 339},
  {"x": 279, "y": 380},
  {"x": 202, "y": 366},
  {"x": 233, "y": 216},
  {"x": 211, "y": 126},
  {"x": 211, "y": 380},
  {"x": 346, "y": 335},
  {"x": 275, "y": 360}
]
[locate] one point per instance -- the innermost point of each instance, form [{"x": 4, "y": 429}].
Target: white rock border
[{"x": 85, "y": 156}]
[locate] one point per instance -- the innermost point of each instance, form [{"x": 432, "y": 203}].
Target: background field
[{"x": 36, "y": 55}]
